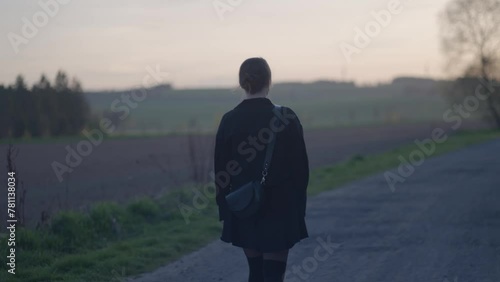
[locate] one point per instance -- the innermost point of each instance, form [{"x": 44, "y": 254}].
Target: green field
[{"x": 319, "y": 105}]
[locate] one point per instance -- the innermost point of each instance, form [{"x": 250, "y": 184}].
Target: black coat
[{"x": 239, "y": 156}]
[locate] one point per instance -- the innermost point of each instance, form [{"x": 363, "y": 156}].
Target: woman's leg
[
  {"x": 255, "y": 264},
  {"x": 275, "y": 266}
]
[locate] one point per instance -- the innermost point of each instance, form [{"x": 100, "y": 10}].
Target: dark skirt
[{"x": 265, "y": 234}]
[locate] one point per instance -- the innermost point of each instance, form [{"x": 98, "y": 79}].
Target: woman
[{"x": 239, "y": 156}]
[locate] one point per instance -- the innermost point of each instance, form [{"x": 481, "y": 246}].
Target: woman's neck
[{"x": 261, "y": 94}]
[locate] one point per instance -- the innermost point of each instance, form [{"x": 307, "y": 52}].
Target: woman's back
[{"x": 247, "y": 129}]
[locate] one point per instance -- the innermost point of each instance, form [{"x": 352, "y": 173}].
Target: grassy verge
[{"x": 110, "y": 242}]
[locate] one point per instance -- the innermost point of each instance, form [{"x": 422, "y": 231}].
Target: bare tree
[{"x": 470, "y": 32}]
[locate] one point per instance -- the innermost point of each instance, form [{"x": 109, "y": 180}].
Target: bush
[
  {"x": 145, "y": 208},
  {"x": 73, "y": 230},
  {"x": 107, "y": 219},
  {"x": 28, "y": 239}
]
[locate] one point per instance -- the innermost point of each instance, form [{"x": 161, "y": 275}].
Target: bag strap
[{"x": 269, "y": 150}]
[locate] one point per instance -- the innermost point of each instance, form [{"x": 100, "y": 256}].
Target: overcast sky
[{"x": 109, "y": 44}]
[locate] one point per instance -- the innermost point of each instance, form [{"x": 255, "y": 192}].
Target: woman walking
[{"x": 261, "y": 175}]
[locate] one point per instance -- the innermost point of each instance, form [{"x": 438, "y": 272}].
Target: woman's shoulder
[
  {"x": 287, "y": 114},
  {"x": 227, "y": 115},
  {"x": 285, "y": 108}
]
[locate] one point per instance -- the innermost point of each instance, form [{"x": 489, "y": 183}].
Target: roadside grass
[{"x": 111, "y": 242}]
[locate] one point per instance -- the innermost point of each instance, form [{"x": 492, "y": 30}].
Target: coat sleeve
[
  {"x": 300, "y": 164},
  {"x": 222, "y": 155}
]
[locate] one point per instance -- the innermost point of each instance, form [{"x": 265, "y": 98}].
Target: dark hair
[{"x": 255, "y": 75}]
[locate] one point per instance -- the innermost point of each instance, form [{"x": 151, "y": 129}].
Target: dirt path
[{"x": 441, "y": 225}]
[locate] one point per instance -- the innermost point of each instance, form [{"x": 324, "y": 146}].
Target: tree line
[{"x": 45, "y": 109}]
